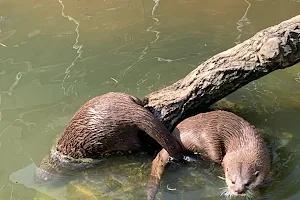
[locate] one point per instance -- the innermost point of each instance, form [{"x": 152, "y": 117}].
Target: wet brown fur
[
  {"x": 110, "y": 123},
  {"x": 219, "y": 136}
]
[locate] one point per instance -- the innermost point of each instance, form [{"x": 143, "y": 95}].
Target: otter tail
[
  {"x": 158, "y": 167},
  {"x": 148, "y": 123}
]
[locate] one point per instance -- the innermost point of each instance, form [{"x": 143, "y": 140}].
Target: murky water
[{"x": 56, "y": 54}]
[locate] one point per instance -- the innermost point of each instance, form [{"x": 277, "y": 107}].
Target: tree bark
[{"x": 273, "y": 48}]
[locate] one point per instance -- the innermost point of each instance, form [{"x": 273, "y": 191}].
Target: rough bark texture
[{"x": 273, "y": 48}]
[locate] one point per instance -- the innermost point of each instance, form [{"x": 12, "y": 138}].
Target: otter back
[{"x": 109, "y": 123}]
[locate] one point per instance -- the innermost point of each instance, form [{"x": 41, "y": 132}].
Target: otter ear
[{"x": 256, "y": 173}]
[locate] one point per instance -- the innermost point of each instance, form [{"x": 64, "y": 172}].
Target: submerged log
[{"x": 273, "y": 48}]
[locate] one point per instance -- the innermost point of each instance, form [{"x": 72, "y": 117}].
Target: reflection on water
[{"x": 55, "y": 55}]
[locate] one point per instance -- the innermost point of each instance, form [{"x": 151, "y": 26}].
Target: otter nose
[{"x": 239, "y": 191}]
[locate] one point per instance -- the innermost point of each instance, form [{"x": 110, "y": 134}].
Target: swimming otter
[
  {"x": 105, "y": 124},
  {"x": 223, "y": 138}
]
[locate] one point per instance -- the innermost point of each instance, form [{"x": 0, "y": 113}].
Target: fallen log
[{"x": 273, "y": 48}]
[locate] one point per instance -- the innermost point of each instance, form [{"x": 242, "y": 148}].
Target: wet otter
[
  {"x": 223, "y": 138},
  {"x": 105, "y": 124}
]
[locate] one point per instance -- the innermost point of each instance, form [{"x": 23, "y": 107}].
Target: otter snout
[
  {"x": 239, "y": 191},
  {"x": 236, "y": 189}
]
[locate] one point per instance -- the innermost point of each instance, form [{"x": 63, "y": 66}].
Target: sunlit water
[{"x": 55, "y": 55}]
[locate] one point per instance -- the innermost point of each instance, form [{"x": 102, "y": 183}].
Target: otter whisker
[
  {"x": 222, "y": 178},
  {"x": 226, "y": 193},
  {"x": 223, "y": 188},
  {"x": 250, "y": 194}
]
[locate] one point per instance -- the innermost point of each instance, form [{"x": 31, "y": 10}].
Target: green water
[{"x": 55, "y": 55}]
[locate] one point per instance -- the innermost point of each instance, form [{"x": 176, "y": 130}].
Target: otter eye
[
  {"x": 247, "y": 184},
  {"x": 256, "y": 173},
  {"x": 233, "y": 182}
]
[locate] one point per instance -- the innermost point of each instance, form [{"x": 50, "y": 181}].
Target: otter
[
  {"x": 226, "y": 139},
  {"x": 106, "y": 124}
]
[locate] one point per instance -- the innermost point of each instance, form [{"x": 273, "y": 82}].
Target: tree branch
[{"x": 273, "y": 48}]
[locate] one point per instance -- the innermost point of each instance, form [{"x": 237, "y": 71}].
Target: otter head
[
  {"x": 45, "y": 172},
  {"x": 242, "y": 174}
]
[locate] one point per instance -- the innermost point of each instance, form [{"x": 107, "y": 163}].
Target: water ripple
[
  {"x": 149, "y": 29},
  {"x": 5, "y": 36},
  {"x": 76, "y": 46},
  {"x": 11, "y": 192},
  {"x": 242, "y": 22}
]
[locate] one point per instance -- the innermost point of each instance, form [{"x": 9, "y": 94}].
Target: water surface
[{"x": 55, "y": 55}]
